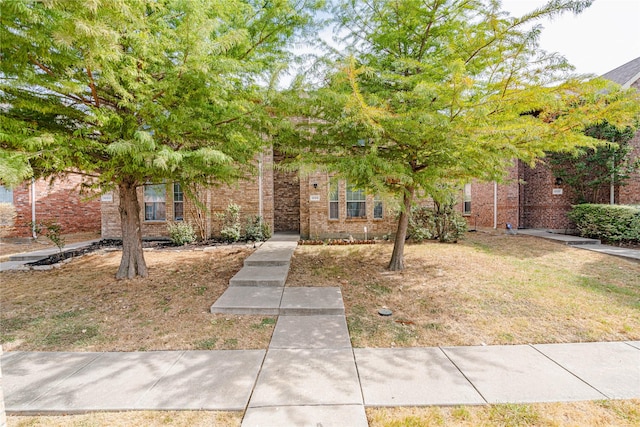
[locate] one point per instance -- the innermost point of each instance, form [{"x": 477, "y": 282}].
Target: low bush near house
[
  {"x": 445, "y": 225},
  {"x": 609, "y": 223},
  {"x": 181, "y": 233},
  {"x": 230, "y": 231},
  {"x": 256, "y": 229}
]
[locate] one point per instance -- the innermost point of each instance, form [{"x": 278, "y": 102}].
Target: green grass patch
[
  {"x": 206, "y": 344},
  {"x": 513, "y": 415},
  {"x": 267, "y": 321},
  {"x": 378, "y": 289},
  {"x": 70, "y": 334}
]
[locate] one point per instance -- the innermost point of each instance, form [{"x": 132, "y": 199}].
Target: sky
[{"x": 601, "y": 38}]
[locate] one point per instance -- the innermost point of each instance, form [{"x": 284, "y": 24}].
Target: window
[
  {"x": 466, "y": 210},
  {"x": 377, "y": 207},
  {"x": 334, "y": 204},
  {"x": 155, "y": 197},
  {"x": 356, "y": 203},
  {"x": 6, "y": 195},
  {"x": 178, "y": 202}
]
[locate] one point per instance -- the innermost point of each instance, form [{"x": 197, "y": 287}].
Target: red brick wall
[
  {"x": 244, "y": 193},
  {"x": 59, "y": 202},
  {"x": 630, "y": 194},
  {"x": 508, "y": 201},
  {"x": 540, "y": 207}
]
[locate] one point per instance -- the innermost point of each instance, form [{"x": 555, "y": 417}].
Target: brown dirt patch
[
  {"x": 81, "y": 307},
  {"x": 490, "y": 288}
]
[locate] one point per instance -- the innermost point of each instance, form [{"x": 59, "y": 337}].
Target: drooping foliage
[
  {"x": 435, "y": 91},
  {"x": 128, "y": 92}
]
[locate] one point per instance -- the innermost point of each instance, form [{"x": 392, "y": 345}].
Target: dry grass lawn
[
  {"x": 128, "y": 419},
  {"x": 488, "y": 289},
  {"x": 81, "y": 307},
  {"x": 625, "y": 413}
]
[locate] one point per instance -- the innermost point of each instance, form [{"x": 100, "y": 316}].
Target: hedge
[{"x": 609, "y": 223}]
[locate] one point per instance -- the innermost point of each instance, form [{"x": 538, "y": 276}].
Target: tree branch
[
  {"x": 41, "y": 66},
  {"x": 92, "y": 85}
]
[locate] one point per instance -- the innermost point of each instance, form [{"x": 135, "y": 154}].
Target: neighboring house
[
  {"x": 319, "y": 207},
  {"x": 533, "y": 197},
  {"x": 44, "y": 202}
]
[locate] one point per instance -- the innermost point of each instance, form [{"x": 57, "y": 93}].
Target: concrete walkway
[
  {"x": 310, "y": 375},
  {"x": 19, "y": 261},
  {"x": 584, "y": 243}
]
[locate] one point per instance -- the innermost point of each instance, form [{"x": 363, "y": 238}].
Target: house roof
[{"x": 625, "y": 75}]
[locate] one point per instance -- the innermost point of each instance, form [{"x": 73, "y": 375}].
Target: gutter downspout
[
  {"x": 612, "y": 190},
  {"x": 33, "y": 208},
  {"x": 495, "y": 205},
  {"x": 260, "y": 190}
]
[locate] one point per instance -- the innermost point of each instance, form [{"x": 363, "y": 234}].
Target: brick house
[
  {"x": 315, "y": 206},
  {"x": 41, "y": 202},
  {"x": 318, "y": 206},
  {"x": 533, "y": 198}
]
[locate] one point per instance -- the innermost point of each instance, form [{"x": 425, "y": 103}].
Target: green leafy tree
[
  {"x": 129, "y": 92},
  {"x": 591, "y": 172},
  {"x": 435, "y": 91}
]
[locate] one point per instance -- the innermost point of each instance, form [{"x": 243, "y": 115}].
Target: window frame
[
  {"x": 158, "y": 208},
  {"x": 378, "y": 206},
  {"x": 178, "y": 200},
  {"x": 361, "y": 202},
  {"x": 6, "y": 195},
  {"x": 334, "y": 199},
  {"x": 466, "y": 199}
]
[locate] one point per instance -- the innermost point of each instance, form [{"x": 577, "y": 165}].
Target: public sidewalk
[{"x": 294, "y": 375}]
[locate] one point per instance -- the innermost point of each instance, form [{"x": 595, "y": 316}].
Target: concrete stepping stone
[
  {"x": 412, "y": 377},
  {"x": 312, "y": 416},
  {"x": 308, "y": 301},
  {"x": 269, "y": 255},
  {"x": 249, "y": 300},
  {"x": 311, "y": 332},
  {"x": 300, "y": 377},
  {"x": 518, "y": 374},
  {"x": 613, "y": 368},
  {"x": 261, "y": 276}
]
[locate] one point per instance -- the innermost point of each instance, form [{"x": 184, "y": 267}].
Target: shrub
[
  {"x": 256, "y": 229},
  {"x": 52, "y": 231},
  {"x": 230, "y": 230},
  {"x": 181, "y": 233},
  {"x": 421, "y": 224},
  {"x": 445, "y": 225},
  {"x": 609, "y": 223}
]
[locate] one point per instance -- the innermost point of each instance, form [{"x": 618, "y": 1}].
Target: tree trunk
[
  {"x": 397, "y": 257},
  {"x": 132, "y": 263}
]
